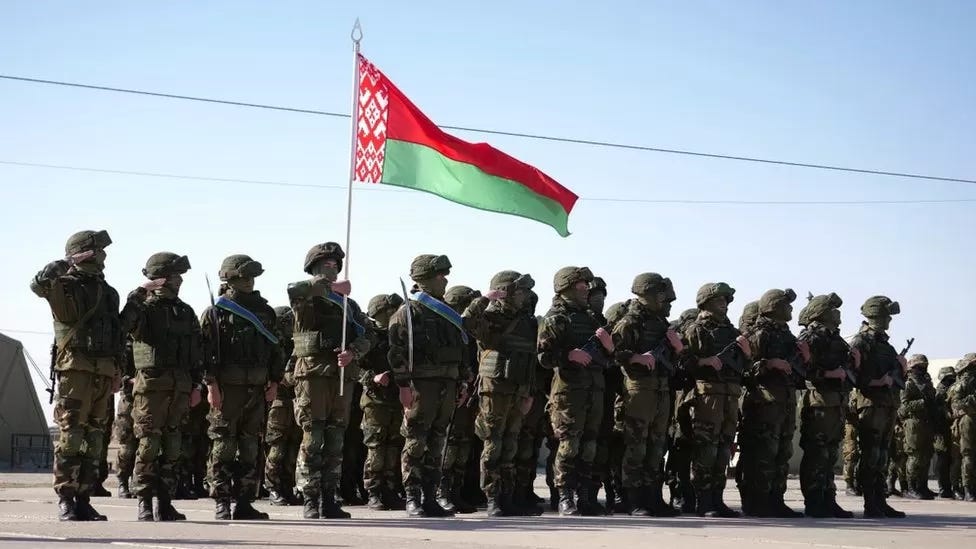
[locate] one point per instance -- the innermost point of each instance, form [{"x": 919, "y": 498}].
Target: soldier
[
  {"x": 242, "y": 368},
  {"x": 194, "y": 450},
  {"x": 715, "y": 362},
  {"x": 769, "y": 407},
  {"x": 534, "y": 426},
  {"x": 318, "y": 306},
  {"x": 962, "y": 402},
  {"x": 570, "y": 340},
  {"x": 125, "y": 458},
  {"x": 506, "y": 343},
  {"x": 167, "y": 361},
  {"x": 876, "y": 409},
  {"x": 610, "y": 445},
  {"x": 461, "y": 430},
  {"x": 942, "y": 433},
  {"x": 750, "y": 314},
  {"x": 644, "y": 344},
  {"x": 382, "y": 413},
  {"x": 897, "y": 458},
  {"x": 283, "y": 435},
  {"x": 681, "y": 445},
  {"x": 87, "y": 352},
  {"x": 426, "y": 369},
  {"x": 917, "y": 415},
  {"x": 824, "y": 405}
]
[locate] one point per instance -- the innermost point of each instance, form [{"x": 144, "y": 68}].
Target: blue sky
[{"x": 885, "y": 84}]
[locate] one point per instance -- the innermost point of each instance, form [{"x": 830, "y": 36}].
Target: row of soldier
[{"x": 614, "y": 395}]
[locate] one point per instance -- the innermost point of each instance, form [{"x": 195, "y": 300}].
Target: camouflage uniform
[
  {"x": 440, "y": 358},
  {"x": 681, "y": 437},
  {"x": 769, "y": 409},
  {"x": 506, "y": 343},
  {"x": 535, "y": 425},
  {"x": 167, "y": 360},
  {"x": 645, "y": 402},
  {"x": 576, "y": 398},
  {"x": 876, "y": 406},
  {"x": 322, "y": 413},
  {"x": 942, "y": 434},
  {"x": 850, "y": 450},
  {"x": 283, "y": 435},
  {"x": 962, "y": 402},
  {"x": 822, "y": 414},
  {"x": 89, "y": 348},
  {"x": 897, "y": 458},
  {"x": 195, "y": 450},
  {"x": 242, "y": 360},
  {"x": 351, "y": 486},
  {"x": 461, "y": 433},
  {"x": 382, "y": 412},
  {"x": 917, "y": 415},
  {"x": 715, "y": 405},
  {"x": 610, "y": 445},
  {"x": 122, "y": 428}
]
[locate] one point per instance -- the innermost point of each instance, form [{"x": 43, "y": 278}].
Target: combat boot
[
  {"x": 431, "y": 506},
  {"x": 310, "y": 506},
  {"x": 923, "y": 488},
  {"x": 720, "y": 509},
  {"x": 567, "y": 503},
  {"x": 243, "y": 510},
  {"x": 703, "y": 503},
  {"x": 375, "y": 500},
  {"x": 222, "y": 509},
  {"x": 277, "y": 499},
  {"x": 853, "y": 490},
  {"x": 329, "y": 508},
  {"x": 891, "y": 489},
  {"x": 525, "y": 505},
  {"x": 636, "y": 500},
  {"x": 553, "y": 498},
  {"x": 612, "y": 497},
  {"x": 970, "y": 494},
  {"x": 946, "y": 493},
  {"x": 445, "y": 492},
  {"x": 66, "y": 509},
  {"x": 85, "y": 511},
  {"x": 123, "y": 492},
  {"x": 888, "y": 511},
  {"x": 755, "y": 504},
  {"x": 99, "y": 491},
  {"x": 688, "y": 504},
  {"x": 815, "y": 505},
  {"x": 779, "y": 509},
  {"x": 414, "y": 505},
  {"x": 656, "y": 504},
  {"x": 391, "y": 498},
  {"x": 589, "y": 506},
  {"x": 494, "y": 508},
  {"x": 461, "y": 505},
  {"x": 165, "y": 510},
  {"x": 835, "y": 508},
  {"x": 872, "y": 507},
  {"x": 145, "y": 509}
]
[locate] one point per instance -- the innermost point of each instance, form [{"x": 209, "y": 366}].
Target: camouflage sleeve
[
  {"x": 759, "y": 343},
  {"x": 133, "y": 312},
  {"x": 51, "y": 285},
  {"x": 552, "y": 349},
  {"x": 863, "y": 345},
  {"x": 625, "y": 335},
  {"x": 209, "y": 345},
  {"x": 276, "y": 362},
  {"x": 46, "y": 279},
  {"x": 694, "y": 350},
  {"x": 478, "y": 324},
  {"x": 361, "y": 345},
  {"x": 470, "y": 363},
  {"x": 398, "y": 355},
  {"x": 196, "y": 369}
]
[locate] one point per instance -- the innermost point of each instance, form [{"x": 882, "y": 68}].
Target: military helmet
[
  {"x": 918, "y": 360},
  {"x": 566, "y": 277},
  {"x": 163, "y": 264},
  {"x": 879, "y": 306},
  {"x": 511, "y": 280},
  {"x": 965, "y": 361},
  {"x": 947, "y": 371},
  {"x": 239, "y": 266},
  {"x": 616, "y": 311},
  {"x": 714, "y": 289},
  {"x": 749, "y": 315},
  {"x": 773, "y": 299},
  {"x": 83, "y": 241},
  {"x": 427, "y": 266},
  {"x": 598, "y": 285},
  {"x": 818, "y": 306},
  {"x": 383, "y": 302},
  {"x": 684, "y": 319},
  {"x": 327, "y": 250},
  {"x": 460, "y": 296},
  {"x": 646, "y": 284}
]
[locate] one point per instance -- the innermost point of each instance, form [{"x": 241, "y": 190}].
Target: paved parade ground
[{"x": 27, "y": 519}]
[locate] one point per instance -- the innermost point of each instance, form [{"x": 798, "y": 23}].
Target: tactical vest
[
  {"x": 779, "y": 343},
  {"x": 828, "y": 351},
  {"x": 918, "y": 387},
  {"x": 245, "y": 354},
  {"x": 962, "y": 395},
  {"x": 515, "y": 360},
  {"x": 652, "y": 333},
  {"x": 438, "y": 348},
  {"x": 318, "y": 330},
  {"x": 101, "y": 333},
  {"x": 169, "y": 339},
  {"x": 582, "y": 326},
  {"x": 715, "y": 336},
  {"x": 878, "y": 358},
  {"x": 376, "y": 362}
]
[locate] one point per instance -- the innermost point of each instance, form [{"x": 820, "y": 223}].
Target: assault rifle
[
  {"x": 897, "y": 375},
  {"x": 52, "y": 373}
]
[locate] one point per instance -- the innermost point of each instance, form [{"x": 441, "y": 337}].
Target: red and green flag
[{"x": 396, "y": 144}]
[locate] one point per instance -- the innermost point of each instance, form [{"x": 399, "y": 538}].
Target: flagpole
[{"x": 356, "y": 35}]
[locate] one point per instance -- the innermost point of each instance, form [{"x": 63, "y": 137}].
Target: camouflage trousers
[
  {"x": 875, "y": 427},
  {"x": 498, "y": 425},
  {"x": 125, "y": 459},
  {"x": 323, "y": 416},
  {"x": 964, "y": 436},
  {"x": 821, "y": 432},
  {"x": 576, "y": 415},
  {"x": 353, "y": 447},
  {"x": 457, "y": 452},
  {"x": 766, "y": 442},
  {"x": 897, "y": 458},
  {"x": 678, "y": 466},
  {"x": 195, "y": 446},
  {"x": 533, "y": 432},
  {"x": 156, "y": 418},
  {"x": 424, "y": 431},
  {"x": 918, "y": 449},
  {"x": 106, "y": 441},
  {"x": 714, "y": 416},
  {"x": 381, "y": 434},
  {"x": 644, "y": 425},
  {"x": 608, "y": 460},
  {"x": 235, "y": 432},
  {"x": 282, "y": 438},
  {"x": 81, "y": 412},
  {"x": 851, "y": 452}
]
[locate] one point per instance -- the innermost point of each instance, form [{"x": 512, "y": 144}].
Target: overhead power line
[
  {"x": 380, "y": 188},
  {"x": 577, "y": 141}
]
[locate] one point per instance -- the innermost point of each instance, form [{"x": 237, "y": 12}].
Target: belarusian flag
[{"x": 397, "y": 145}]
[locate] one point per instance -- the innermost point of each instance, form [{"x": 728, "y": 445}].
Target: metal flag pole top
[{"x": 356, "y": 35}]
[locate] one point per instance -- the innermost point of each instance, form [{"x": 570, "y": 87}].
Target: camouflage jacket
[
  {"x": 918, "y": 399},
  {"x": 567, "y": 326},
  {"x": 878, "y": 358}
]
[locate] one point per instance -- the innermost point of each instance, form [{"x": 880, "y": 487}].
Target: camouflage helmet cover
[
  {"x": 773, "y": 299},
  {"x": 427, "y": 266},
  {"x": 646, "y": 284},
  {"x": 567, "y": 276},
  {"x": 511, "y": 280},
  {"x": 163, "y": 264},
  {"x": 946, "y": 371},
  {"x": 598, "y": 285},
  {"x": 818, "y": 306},
  {"x": 383, "y": 302},
  {"x": 714, "y": 289},
  {"x": 326, "y": 250},
  {"x": 83, "y": 241},
  {"x": 880, "y": 306},
  {"x": 239, "y": 266},
  {"x": 918, "y": 360},
  {"x": 460, "y": 296}
]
